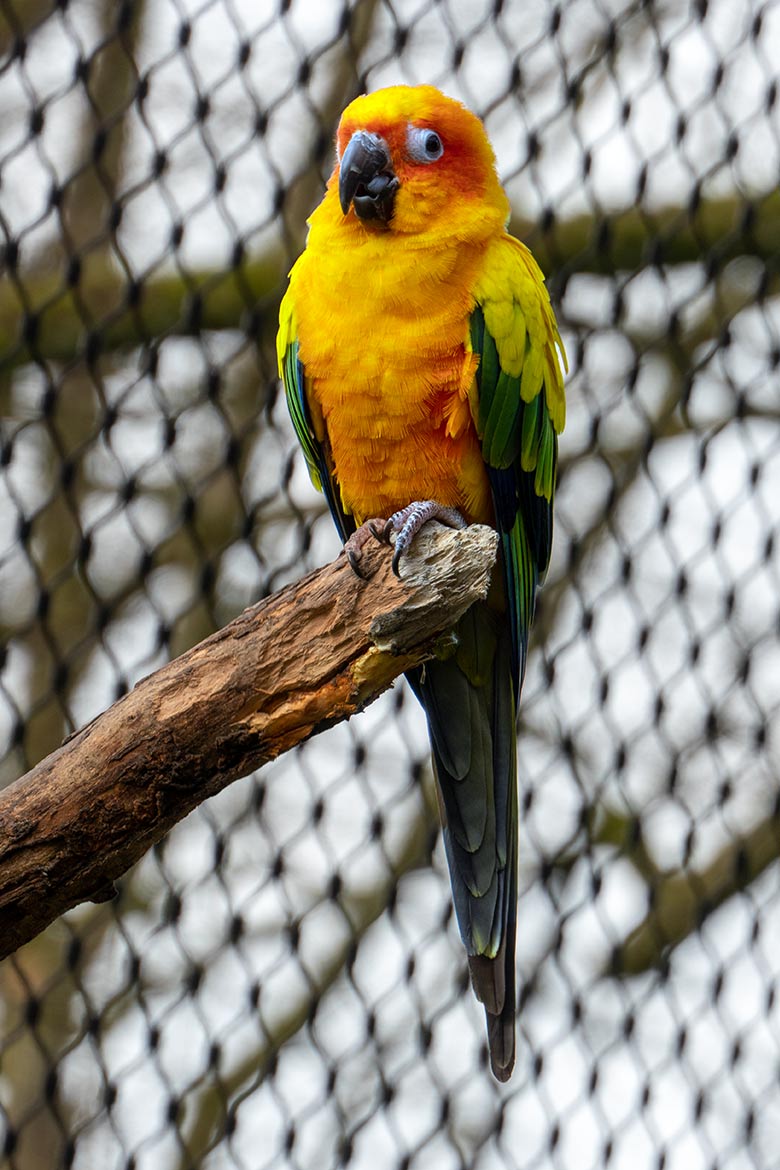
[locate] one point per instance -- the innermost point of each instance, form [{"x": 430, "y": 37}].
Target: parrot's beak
[{"x": 367, "y": 180}]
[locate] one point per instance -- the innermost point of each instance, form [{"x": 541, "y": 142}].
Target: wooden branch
[{"x": 287, "y": 668}]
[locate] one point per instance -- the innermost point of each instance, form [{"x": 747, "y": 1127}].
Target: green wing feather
[
  {"x": 518, "y": 410},
  {"x": 295, "y": 388},
  {"x": 294, "y": 381}
]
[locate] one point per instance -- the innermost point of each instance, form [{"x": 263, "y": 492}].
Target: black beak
[{"x": 367, "y": 180}]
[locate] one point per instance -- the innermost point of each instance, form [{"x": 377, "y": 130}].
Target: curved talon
[
  {"x": 399, "y": 552},
  {"x": 354, "y": 546},
  {"x": 354, "y": 561},
  {"x": 381, "y": 534}
]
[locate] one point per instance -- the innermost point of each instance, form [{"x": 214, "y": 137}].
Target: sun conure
[{"x": 422, "y": 366}]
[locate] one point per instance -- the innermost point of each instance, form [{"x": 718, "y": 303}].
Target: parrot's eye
[
  {"x": 424, "y": 145},
  {"x": 433, "y": 146}
]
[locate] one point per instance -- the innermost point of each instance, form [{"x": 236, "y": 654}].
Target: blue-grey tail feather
[{"x": 470, "y": 704}]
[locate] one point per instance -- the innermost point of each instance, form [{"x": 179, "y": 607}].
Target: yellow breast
[{"x": 383, "y": 338}]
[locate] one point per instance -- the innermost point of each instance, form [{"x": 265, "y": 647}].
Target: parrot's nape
[{"x": 423, "y": 371}]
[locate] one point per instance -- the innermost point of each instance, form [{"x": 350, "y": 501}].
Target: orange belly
[{"x": 385, "y": 457}]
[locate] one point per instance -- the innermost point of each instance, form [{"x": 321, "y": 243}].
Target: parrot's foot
[
  {"x": 405, "y": 523},
  {"x": 409, "y": 520}
]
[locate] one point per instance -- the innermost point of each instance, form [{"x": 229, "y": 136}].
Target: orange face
[{"x": 410, "y": 158}]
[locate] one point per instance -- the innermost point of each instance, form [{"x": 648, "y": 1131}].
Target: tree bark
[{"x": 287, "y": 668}]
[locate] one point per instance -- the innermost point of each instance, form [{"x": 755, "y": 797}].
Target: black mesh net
[{"x": 280, "y": 983}]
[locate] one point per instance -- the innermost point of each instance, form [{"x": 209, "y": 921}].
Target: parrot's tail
[
  {"x": 493, "y": 981},
  {"x": 470, "y": 703}
]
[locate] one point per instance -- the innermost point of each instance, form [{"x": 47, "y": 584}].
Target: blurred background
[{"x": 280, "y": 982}]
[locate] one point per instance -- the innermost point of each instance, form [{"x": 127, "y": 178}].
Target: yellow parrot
[{"x": 423, "y": 371}]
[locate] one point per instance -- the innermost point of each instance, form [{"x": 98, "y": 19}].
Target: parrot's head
[{"x": 411, "y": 160}]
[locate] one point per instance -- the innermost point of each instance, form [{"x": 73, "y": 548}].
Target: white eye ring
[{"x": 424, "y": 145}]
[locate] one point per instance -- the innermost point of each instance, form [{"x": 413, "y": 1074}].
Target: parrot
[{"x": 423, "y": 370}]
